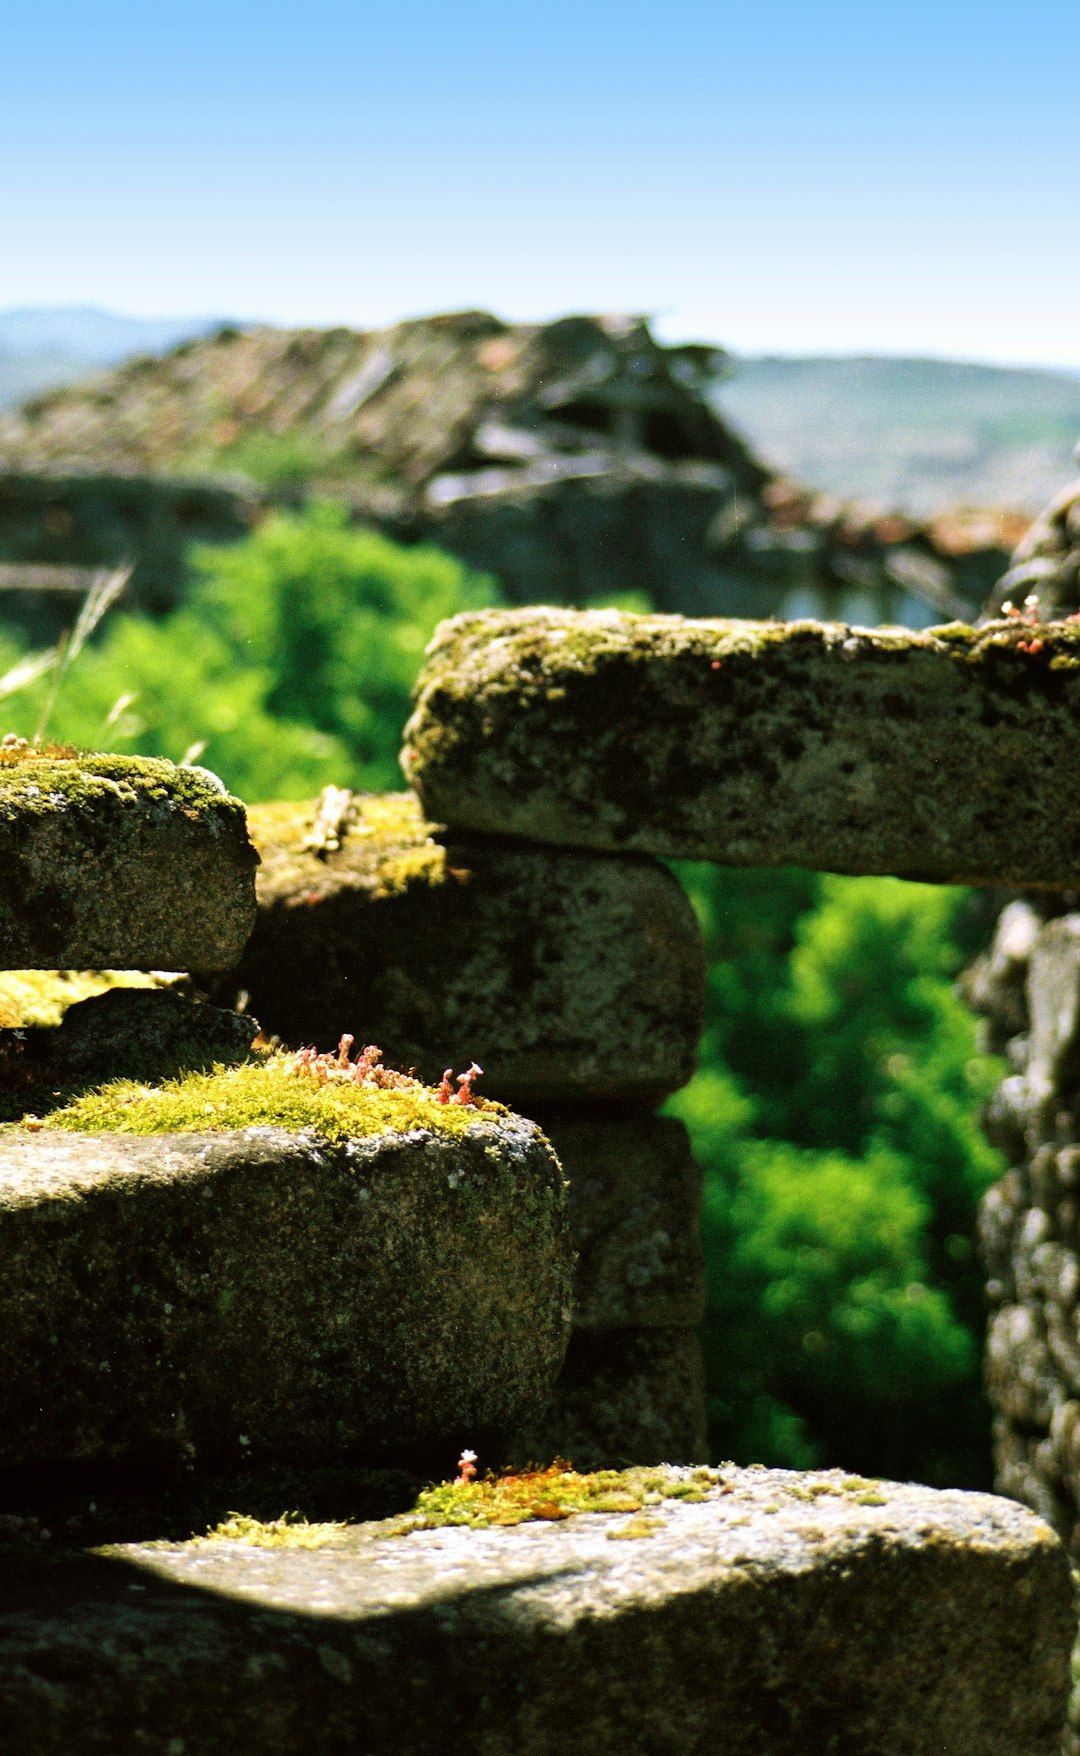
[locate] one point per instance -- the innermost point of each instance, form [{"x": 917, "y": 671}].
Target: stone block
[
  {"x": 265, "y": 1292},
  {"x": 935, "y": 755},
  {"x": 123, "y": 1033},
  {"x": 120, "y": 862},
  {"x": 635, "y": 1206},
  {"x": 565, "y": 976},
  {"x": 772, "y": 1612},
  {"x": 624, "y": 1396}
]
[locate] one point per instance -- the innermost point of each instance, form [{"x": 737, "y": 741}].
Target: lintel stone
[{"x": 945, "y": 754}]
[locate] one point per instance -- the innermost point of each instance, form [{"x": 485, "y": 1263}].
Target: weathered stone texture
[
  {"x": 635, "y": 1203},
  {"x": 124, "y": 1033},
  {"x": 566, "y": 977},
  {"x": 785, "y": 1613},
  {"x": 624, "y": 1396},
  {"x": 120, "y": 862},
  {"x": 262, "y": 1293},
  {"x": 1028, "y": 988},
  {"x": 931, "y": 755}
]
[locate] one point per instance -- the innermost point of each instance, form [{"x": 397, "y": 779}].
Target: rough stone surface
[
  {"x": 565, "y": 976},
  {"x": 1028, "y": 987},
  {"x": 635, "y": 1201},
  {"x": 624, "y": 1396},
  {"x": 120, "y": 862},
  {"x": 261, "y": 1293},
  {"x": 782, "y": 1613},
  {"x": 935, "y": 755},
  {"x": 124, "y": 1033}
]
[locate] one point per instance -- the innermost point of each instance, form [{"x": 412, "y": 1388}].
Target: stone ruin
[
  {"x": 376, "y": 1274},
  {"x": 572, "y": 459}
]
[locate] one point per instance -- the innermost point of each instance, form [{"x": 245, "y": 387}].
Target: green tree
[
  {"x": 835, "y": 1118},
  {"x": 291, "y": 663}
]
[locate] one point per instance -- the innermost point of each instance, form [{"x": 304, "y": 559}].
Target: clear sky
[{"x": 827, "y": 175}]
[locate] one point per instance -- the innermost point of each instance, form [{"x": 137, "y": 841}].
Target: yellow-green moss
[
  {"x": 263, "y": 1094},
  {"x": 387, "y": 846},
  {"x": 290, "y": 1531},
  {"x": 56, "y": 778},
  {"x": 549, "y": 1494}
]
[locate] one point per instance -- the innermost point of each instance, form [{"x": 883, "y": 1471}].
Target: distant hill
[
  {"x": 918, "y": 435},
  {"x": 45, "y": 346}
]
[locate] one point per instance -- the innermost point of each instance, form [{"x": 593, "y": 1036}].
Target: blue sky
[{"x": 834, "y": 177}]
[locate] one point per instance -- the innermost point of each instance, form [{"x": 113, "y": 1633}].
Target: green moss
[
  {"x": 290, "y": 1531},
  {"x": 387, "y": 847},
  {"x": 517, "y": 1497},
  {"x": 57, "y": 779},
  {"x": 264, "y": 1094}
]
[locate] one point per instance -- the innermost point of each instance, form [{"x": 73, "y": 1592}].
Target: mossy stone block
[
  {"x": 260, "y": 1292},
  {"x": 635, "y": 1207},
  {"x": 747, "y": 1611},
  {"x": 120, "y": 862},
  {"x": 564, "y": 976},
  {"x": 945, "y": 754}
]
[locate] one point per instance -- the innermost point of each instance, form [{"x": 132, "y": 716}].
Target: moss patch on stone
[
  {"x": 548, "y": 1494},
  {"x": 386, "y": 847},
  {"x": 932, "y": 754},
  {"x": 290, "y": 1531},
  {"x": 260, "y": 1094},
  {"x": 55, "y": 778}
]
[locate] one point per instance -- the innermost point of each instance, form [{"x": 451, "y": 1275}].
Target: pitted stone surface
[
  {"x": 782, "y": 1613},
  {"x": 565, "y": 976},
  {"x": 261, "y": 1293},
  {"x": 624, "y": 1396},
  {"x": 120, "y": 862},
  {"x": 635, "y": 1203},
  {"x": 936, "y": 755}
]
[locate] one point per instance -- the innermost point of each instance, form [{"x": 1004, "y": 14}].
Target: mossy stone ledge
[
  {"x": 566, "y": 976},
  {"x": 368, "y": 1273},
  {"x": 945, "y": 754},
  {"x": 747, "y": 1611},
  {"x": 120, "y": 862}
]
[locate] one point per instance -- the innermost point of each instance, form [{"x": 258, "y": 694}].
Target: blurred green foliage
[
  {"x": 834, "y": 1110},
  {"x": 289, "y": 667},
  {"x": 834, "y": 1114}
]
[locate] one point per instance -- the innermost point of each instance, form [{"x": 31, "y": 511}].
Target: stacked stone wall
[{"x": 576, "y": 982}]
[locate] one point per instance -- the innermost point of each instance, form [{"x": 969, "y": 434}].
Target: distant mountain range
[{"x": 920, "y": 435}]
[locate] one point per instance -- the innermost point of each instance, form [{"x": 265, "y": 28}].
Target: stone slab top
[
  {"x": 740, "y": 1609},
  {"x": 938, "y": 754},
  {"x": 693, "y": 1523},
  {"x": 119, "y": 862}
]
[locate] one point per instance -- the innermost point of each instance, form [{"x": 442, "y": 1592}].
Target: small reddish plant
[{"x": 337, "y": 1068}]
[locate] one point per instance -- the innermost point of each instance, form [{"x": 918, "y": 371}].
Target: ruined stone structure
[
  {"x": 303, "y": 1262},
  {"x": 573, "y": 459}
]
